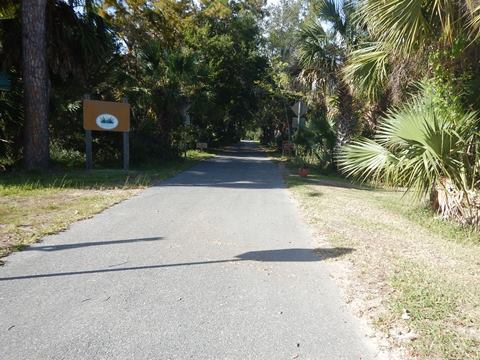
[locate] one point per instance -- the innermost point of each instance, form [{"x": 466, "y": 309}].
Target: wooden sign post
[{"x": 106, "y": 116}]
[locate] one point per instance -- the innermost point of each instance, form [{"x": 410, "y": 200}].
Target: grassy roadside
[
  {"x": 414, "y": 277},
  {"x": 35, "y": 205}
]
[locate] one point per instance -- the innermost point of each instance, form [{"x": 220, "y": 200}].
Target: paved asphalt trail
[{"x": 211, "y": 264}]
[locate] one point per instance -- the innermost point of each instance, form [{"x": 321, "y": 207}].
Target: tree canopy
[
  {"x": 165, "y": 56},
  {"x": 217, "y": 70}
]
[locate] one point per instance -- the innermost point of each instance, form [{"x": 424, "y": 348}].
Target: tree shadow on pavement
[
  {"x": 60, "y": 247},
  {"x": 294, "y": 255},
  {"x": 229, "y": 172},
  {"x": 277, "y": 255}
]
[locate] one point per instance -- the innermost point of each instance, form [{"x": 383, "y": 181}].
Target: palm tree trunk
[
  {"x": 35, "y": 79},
  {"x": 346, "y": 118}
]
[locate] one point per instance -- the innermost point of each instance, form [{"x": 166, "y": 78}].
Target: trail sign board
[
  {"x": 299, "y": 108},
  {"x": 106, "y": 116}
]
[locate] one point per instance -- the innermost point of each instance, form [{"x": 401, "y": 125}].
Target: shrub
[{"x": 426, "y": 147}]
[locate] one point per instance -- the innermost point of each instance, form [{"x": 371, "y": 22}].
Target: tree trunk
[
  {"x": 35, "y": 79},
  {"x": 346, "y": 119}
]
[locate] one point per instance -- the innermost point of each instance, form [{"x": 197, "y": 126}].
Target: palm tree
[
  {"x": 430, "y": 144},
  {"x": 426, "y": 147},
  {"x": 322, "y": 53},
  {"x": 405, "y": 33}
]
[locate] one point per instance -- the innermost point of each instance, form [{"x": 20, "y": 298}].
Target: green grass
[
  {"x": 393, "y": 200},
  {"x": 430, "y": 300},
  {"x": 422, "y": 215},
  {"x": 33, "y": 205},
  {"x": 18, "y": 183}
]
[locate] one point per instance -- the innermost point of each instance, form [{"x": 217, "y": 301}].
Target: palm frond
[
  {"x": 399, "y": 23},
  {"x": 473, "y": 24},
  {"x": 417, "y": 145},
  {"x": 367, "y": 70},
  {"x": 329, "y": 10},
  {"x": 407, "y": 25},
  {"x": 316, "y": 52},
  {"x": 9, "y": 9},
  {"x": 367, "y": 159}
]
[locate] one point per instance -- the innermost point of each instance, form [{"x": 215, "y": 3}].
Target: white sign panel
[{"x": 107, "y": 121}]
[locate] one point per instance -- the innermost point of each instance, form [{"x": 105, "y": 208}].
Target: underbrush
[
  {"x": 413, "y": 275},
  {"x": 419, "y": 211}
]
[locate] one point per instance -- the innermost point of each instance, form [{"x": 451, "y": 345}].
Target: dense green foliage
[
  {"x": 235, "y": 67},
  {"x": 168, "y": 57},
  {"x": 429, "y": 143},
  {"x": 416, "y": 145},
  {"x": 358, "y": 64}
]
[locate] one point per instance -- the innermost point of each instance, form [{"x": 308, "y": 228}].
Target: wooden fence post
[
  {"x": 88, "y": 143},
  {"x": 126, "y": 144}
]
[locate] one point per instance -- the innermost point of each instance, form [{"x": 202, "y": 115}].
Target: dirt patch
[{"x": 27, "y": 218}]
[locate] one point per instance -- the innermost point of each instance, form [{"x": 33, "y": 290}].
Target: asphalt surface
[{"x": 214, "y": 263}]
